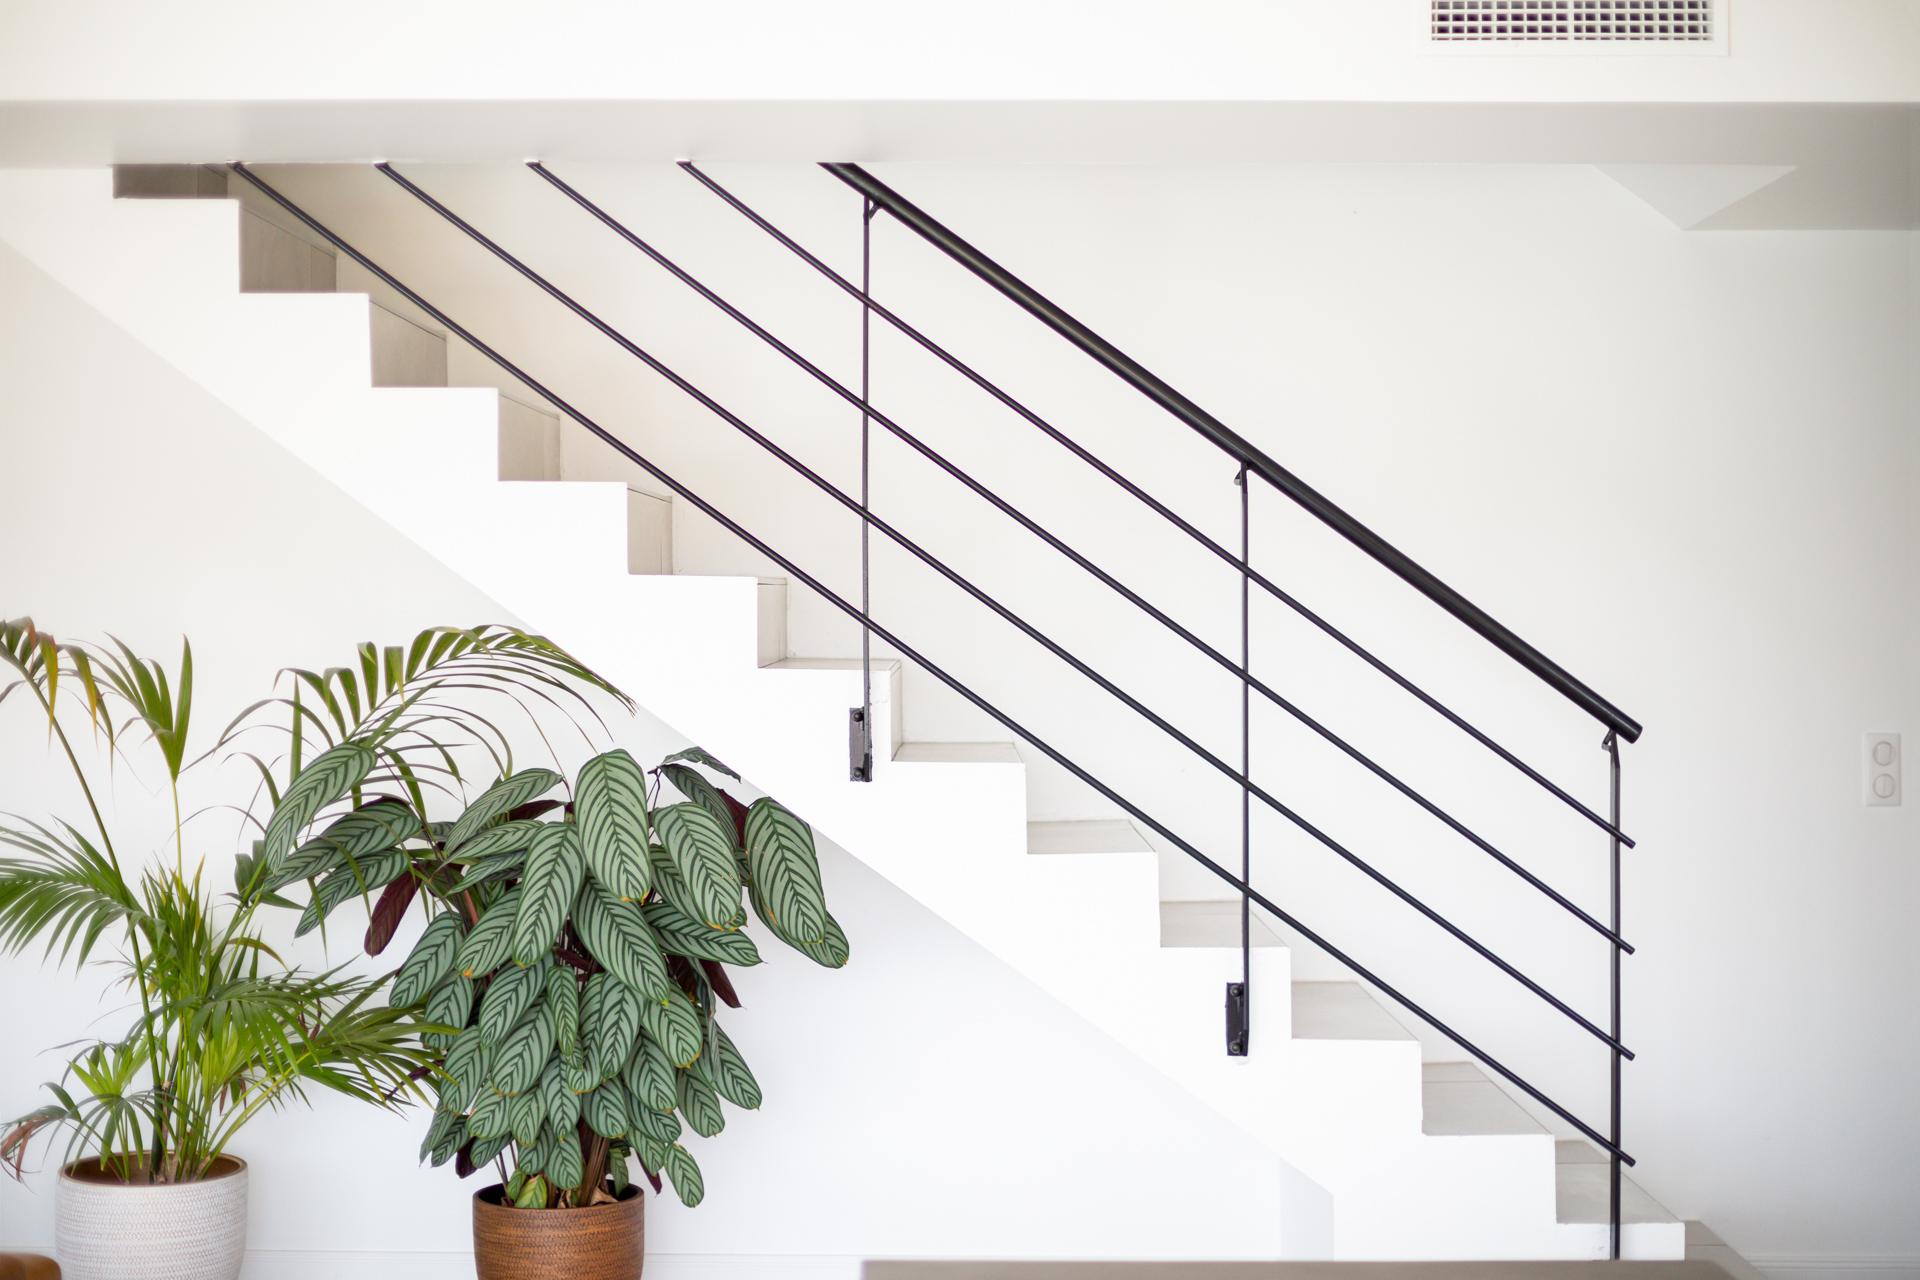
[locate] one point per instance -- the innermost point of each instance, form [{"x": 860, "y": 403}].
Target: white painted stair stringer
[{"x": 1085, "y": 927}]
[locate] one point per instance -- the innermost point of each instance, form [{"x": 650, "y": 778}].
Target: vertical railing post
[
  {"x": 1239, "y": 1001},
  {"x": 860, "y": 737},
  {"x": 1612, "y": 747}
]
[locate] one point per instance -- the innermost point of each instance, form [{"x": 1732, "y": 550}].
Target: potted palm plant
[
  {"x": 222, "y": 1031},
  {"x": 573, "y": 956}
]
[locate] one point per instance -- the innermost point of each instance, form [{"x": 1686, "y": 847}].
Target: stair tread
[
  {"x": 956, "y": 753},
  {"x": 1458, "y": 1099},
  {"x": 1099, "y": 835},
  {"x": 831, "y": 664},
  {"x": 1210, "y": 924},
  {"x": 1341, "y": 1011},
  {"x": 1580, "y": 1188}
]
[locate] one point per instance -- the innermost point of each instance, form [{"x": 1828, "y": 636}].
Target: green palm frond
[
  {"x": 163, "y": 707},
  {"x": 67, "y": 890}
]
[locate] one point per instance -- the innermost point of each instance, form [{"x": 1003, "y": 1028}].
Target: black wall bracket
[
  {"x": 859, "y": 746},
  {"x": 1236, "y": 1019}
]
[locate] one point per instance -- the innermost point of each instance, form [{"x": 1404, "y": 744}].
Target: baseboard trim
[
  {"x": 331, "y": 1264},
  {"x": 1788, "y": 1266}
]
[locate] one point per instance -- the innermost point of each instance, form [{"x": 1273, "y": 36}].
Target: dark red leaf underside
[
  {"x": 722, "y": 985},
  {"x": 739, "y": 812},
  {"x": 389, "y": 911}
]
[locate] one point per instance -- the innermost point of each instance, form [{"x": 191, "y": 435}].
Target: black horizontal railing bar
[
  {"x": 908, "y": 652},
  {"x": 1321, "y": 507},
  {"x": 1005, "y": 614},
  {"x": 1095, "y": 461},
  {"x": 1005, "y": 508}
]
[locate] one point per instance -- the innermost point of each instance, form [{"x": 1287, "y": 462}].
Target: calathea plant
[{"x": 573, "y": 958}]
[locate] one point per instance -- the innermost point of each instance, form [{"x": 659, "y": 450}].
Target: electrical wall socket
[{"x": 1880, "y": 776}]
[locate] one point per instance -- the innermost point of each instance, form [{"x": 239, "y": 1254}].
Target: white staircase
[{"x": 1423, "y": 1161}]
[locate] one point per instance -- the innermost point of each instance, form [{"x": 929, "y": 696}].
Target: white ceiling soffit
[
  {"x": 1689, "y": 194},
  {"x": 1854, "y": 165}
]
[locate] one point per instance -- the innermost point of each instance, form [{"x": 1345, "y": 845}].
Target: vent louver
[{"x": 1574, "y": 21}]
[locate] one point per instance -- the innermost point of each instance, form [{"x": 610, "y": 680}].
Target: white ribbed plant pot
[{"x": 177, "y": 1231}]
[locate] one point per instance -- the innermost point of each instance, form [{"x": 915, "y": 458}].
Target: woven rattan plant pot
[
  {"x": 605, "y": 1242},
  {"x": 107, "y": 1230}
]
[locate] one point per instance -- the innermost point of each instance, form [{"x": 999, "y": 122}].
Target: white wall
[
  {"x": 1680, "y": 464},
  {"x": 925, "y": 1101},
  {"x": 854, "y": 50}
]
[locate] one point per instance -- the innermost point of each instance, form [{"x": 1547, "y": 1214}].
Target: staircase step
[
  {"x": 1107, "y": 835},
  {"x": 1580, "y": 1184},
  {"x": 1458, "y": 1099},
  {"x": 956, "y": 753},
  {"x": 1341, "y": 1011},
  {"x": 1704, "y": 1246},
  {"x": 1210, "y": 924},
  {"x": 1647, "y": 1229}
]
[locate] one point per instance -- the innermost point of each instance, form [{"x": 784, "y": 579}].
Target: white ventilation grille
[{"x": 1574, "y": 21}]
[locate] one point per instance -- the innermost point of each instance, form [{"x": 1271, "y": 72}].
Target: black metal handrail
[
  {"x": 1239, "y": 884},
  {"x": 1237, "y": 447},
  {"x": 1238, "y": 563},
  {"x": 980, "y": 490},
  {"x": 1009, "y": 616}
]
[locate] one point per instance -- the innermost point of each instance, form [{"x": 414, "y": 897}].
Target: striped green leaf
[
  {"x": 698, "y": 1102},
  {"x": 705, "y": 794},
  {"x": 652, "y": 1155},
  {"x": 617, "y": 1170},
  {"x": 366, "y": 830},
  {"x": 831, "y": 951},
  {"x": 510, "y": 994},
  {"x": 490, "y": 941},
  {"x": 699, "y": 756},
  {"x": 610, "y": 808},
  {"x": 649, "y": 1076},
  {"x": 508, "y": 793},
  {"x": 785, "y": 873},
  {"x": 565, "y": 1163},
  {"x": 702, "y": 852},
  {"x": 579, "y": 1072},
  {"x": 431, "y": 959},
  {"x": 675, "y": 1025},
  {"x": 660, "y": 1126},
  {"x": 509, "y": 837},
  {"x": 325, "y": 780},
  {"x": 687, "y": 1183},
  {"x": 681, "y": 935},
  {"x": 605, "y": 1109},
  {"x": 551, "y": 881},
  {"x": 469, "y": 1064},
  {"x": 447, "y": 1123},
  {"x": 449, "y": 1004},
  {"x": 485, "y": 1149},
  {"x": 360, "y": 876},
  {"x": 593, "y": 995},
  {"x": 517, "y": 1062},
  {"x": 728, "y": 1072},
  {"x": 533, "y": 1194},
  {"x": 529, "y": 1161},
  {"x": 491, "y": 1117},
  {"x": 562, "y": 1103},
  {"x": 563, "y": 1002},
  {"x": 616, "y": 935},
  {"x": 668, "y": 886},
  {"x": 525, "y": 1114},
  {"x": 498, "y": 867},
  {"x": 618, "y": 1029}
]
